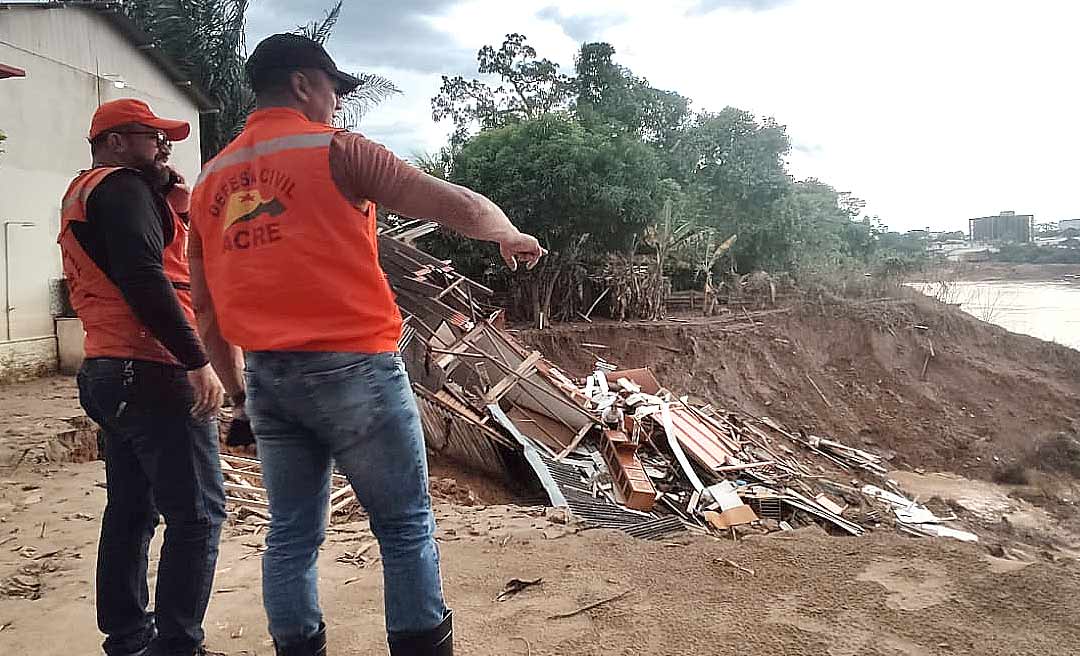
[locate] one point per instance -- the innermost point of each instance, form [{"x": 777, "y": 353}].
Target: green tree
[
  {"x": 206, "y": 39},
  {"x": 437, "y": 163},
  {"x": 527, "y": 88},
  {"x": 610, "y": 97},
  {"x": 612, "y": 173},
  {"x": 826, "y": 228},
  {"x": 737, "y": 166},
  {"x": 581, "y": 193}
]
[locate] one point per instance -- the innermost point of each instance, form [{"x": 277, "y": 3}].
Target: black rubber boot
[
  {"x": 435, "y": 642},
  {"x": 313, "y": 646}
]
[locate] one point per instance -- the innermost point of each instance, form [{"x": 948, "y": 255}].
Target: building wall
[
  {"x": 66, "y": 52},
  {"x": 27, "y": 358},
  {"x": 1004, "y": 227}
]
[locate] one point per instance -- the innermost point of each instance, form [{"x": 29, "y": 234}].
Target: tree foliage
[
  {"x": 527, "y": 88},
  {"x": 206, "y": 39},
  {"x": 737, "y": 167},
  {"x": 1068, "y": 253},
  {"x": 611, "y": 98},
  {"x": 561, "y": 182},
  {"x": 580, "y": 192},
  {"x": 602, "y": 165},
  {"x": 825, "y": 227}
]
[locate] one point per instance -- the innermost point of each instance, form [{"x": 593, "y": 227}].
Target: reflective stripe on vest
[
  {"x": 78, "y": 192},
  {"x": 290, "y": 262},
  {"x": 263, "y": 148}
]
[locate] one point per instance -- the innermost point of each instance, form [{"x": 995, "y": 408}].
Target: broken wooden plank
[
  {"x": 576, "y": 441},
  {"x": 526, "y": 368},
  {"x": 247, "y": 502}
]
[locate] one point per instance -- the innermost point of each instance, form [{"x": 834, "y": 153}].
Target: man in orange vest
[
  {"x": 284, "y": 231},
  {"x": 146, "y": 381}
]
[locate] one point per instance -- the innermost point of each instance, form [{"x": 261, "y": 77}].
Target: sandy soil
[
  {"x": 988, "y": 398},
  {"x": 40, "y": 422},
  {"x": 808, "y": 594}
]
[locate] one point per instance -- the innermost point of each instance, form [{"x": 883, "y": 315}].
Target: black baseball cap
[{"x": 288, "y": 52}]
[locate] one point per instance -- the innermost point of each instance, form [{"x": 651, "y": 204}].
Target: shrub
[{"x": 1060, "y": 453}]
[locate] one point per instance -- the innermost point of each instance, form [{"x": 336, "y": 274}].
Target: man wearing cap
[
  {"x": 284, "y": 235},
  {"x": 146, "y": 381}
]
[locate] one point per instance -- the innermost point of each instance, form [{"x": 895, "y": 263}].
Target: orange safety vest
[
  {"x": 112, "y": 329},
  {"x": 291, "y": 264}
]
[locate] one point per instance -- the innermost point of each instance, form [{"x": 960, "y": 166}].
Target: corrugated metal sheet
[
  {"x": 533, "y": 456},
  {"x": 602, "y": 513}
]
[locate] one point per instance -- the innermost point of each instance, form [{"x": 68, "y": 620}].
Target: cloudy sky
[{"x": 933, "y": 111}]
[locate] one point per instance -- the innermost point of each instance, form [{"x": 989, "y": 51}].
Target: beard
[{"x": 156, "y": 170}]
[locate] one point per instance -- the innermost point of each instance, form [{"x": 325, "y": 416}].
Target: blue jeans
[
  {"x": 357, "y": 410},
  {"x": 158, "y": 459}
]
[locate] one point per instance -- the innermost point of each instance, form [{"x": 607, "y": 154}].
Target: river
[{"x": 1047, "y": 310}]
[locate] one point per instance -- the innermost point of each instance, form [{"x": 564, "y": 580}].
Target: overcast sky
[{"x": 933, "y": 111}]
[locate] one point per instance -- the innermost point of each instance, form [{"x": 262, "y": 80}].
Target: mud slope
[{"x": 986, "y": 393}]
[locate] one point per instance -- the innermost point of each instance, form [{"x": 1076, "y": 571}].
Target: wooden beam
[
  {"x": 526, "y": 368},
  {"x": 247, "y": 502},
  {"x": 451, "y": 287},
  {"x": 575, "y": 442}
]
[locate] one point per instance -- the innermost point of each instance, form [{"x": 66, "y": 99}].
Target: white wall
[{"x": 46, "y": 116}]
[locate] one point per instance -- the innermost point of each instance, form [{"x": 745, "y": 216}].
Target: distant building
[
  {"x": 1069, "y": 224},
  {"x": 1007, "y": 226}
]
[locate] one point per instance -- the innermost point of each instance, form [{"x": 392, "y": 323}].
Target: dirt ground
[
  {"x": 807, "y": 594},
  {"x": 907, "y": 376},
  {"x": 987, "y": 399}
]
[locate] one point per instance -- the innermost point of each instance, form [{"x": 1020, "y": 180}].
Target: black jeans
[{"x": 158, "y": 459}]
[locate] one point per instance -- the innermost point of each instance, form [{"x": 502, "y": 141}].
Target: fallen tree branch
[
  {"x": 562, "y": 616},
  {"x": 818, "y": 390}
]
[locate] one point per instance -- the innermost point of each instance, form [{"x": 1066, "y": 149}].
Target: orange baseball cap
[{"x": 128, "y": 110}]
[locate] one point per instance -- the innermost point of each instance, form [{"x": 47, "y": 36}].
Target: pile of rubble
[{"x": 616, "y": 449}]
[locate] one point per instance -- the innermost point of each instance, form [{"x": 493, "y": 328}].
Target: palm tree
[
  {"x": 437, "y": 164},
  {"x": 206, "y": 39},
  {"x": 373, "y": 88}
]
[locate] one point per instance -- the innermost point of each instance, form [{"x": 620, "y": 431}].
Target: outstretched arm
[{"x": 364, "y": 170}]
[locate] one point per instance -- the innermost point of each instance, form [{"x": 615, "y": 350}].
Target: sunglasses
[{"x": 159, "y": 136}]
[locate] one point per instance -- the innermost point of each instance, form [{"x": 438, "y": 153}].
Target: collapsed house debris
[
  {"x": 244, "y": 488},
  {"x": 616, "y": 449}
]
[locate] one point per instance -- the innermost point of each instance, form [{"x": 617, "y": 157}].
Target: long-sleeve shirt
[
  {"x": 128, "y": 226},
  {"x": 364, "y": 170}
]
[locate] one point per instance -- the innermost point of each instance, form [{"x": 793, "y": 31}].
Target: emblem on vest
[{"x": 246, "y": 224}]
